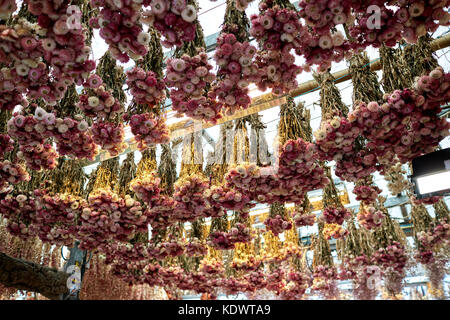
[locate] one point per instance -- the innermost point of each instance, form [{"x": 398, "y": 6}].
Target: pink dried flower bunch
[
  {"x": 211, "y": 266},
  {"x": 235, "y": 60},
  {"x": 226, "y": 198},
  {"x": 322, "y": 50},
  {"x": 439, "y": 235},
  {"x": 408, "y": 124},
  {"x": 196, "y": 248},
  {"x": 296, "y": 285},
  {"x": 145, "y": 87},
  {"x": 63, "y": 43},
  {"x": 190, "y": 203},
  {"x": 220, "y": 240},
  {"x": 334, "y": 231},
  {"x": 388, "y": 32},
  {"x": 109, "y": 136},
  {"x": 303, "y": 219},
  {"x": 392, "y": 258},
  {"x": 429, "y": 200},
  {"x": 171, "y": 275},
  {"x": 233, "y": 286},
  {"x": 276, "y": 70},
  {"x": 147, "y": 188},
  {"x": 274, "y": 28},
  {"x": 149, "y": 129},
  {"x": 71, "y": 135},
  {"x": 324, "y": 278},
  {"x": 240, "y": 233},
  {"x": 109, "y": 217},
  {"x": 124, "y": 252},
  {"x": 188, "y": 77},
  {"x": 370, "y": 218},
  {"x": 175, "y": 19},
  {"x": 99, "y": 103},
  {"x": 366, "y": 194},
  {"x": 419, "y": 17},
  {"x": 335, "y": 215},
  {"x": 248, "y": 179},
  {"x": 121, "y": 28},
  {"x": 38, "y": 157},
  {"x": 172, "y": 248},
  {"x": 73, "y": 138},
  {"x": 275, "y": 281},
  {"x": 56, "y": 218},
  {"x": 355, "y": 166},
  {"x": 12, "y": 173},
  {"x": 277, "y": 224},
  {"x": 160, "y": 212},
  {"x": 299, "y": 170},
  {"x": 323, "y": 15},
  {"x": 335, "y": 138},
  {"x": 19, "y": 211},
  {"x": 21, "y": 52},
  {"x": 256, "y": 279}
]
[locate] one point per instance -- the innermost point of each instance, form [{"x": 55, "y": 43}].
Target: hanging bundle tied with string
[
  {"x": 146, "y": 85},
  {"x": 189, "y": 76}
]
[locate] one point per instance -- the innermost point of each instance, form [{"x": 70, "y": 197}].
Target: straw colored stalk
[
  {"x": 68, "y": 177},
  {"x": 396, "y": 75},
  {"x": 441, "y": 210},
  {"x": 259, "y": 153},
  {"x": 390, "y": 229},
  {"x": 217, "y": 165},
  {"x": 191, "y": 159},
  {"x": 322, "y": 251},
  {"x": 418, "y": 58},
  {"x": 126, "y": 174},
  {"x": 106, "y": 174},
  {"x": 330, "y": 196},
  {"x": 236, "y": 22},
  {"x": 241, "y": 146},
  {"x": 366, "y": 87},
  {"x": 330, "y": 98},
  {"x": 167, "y": 170}
]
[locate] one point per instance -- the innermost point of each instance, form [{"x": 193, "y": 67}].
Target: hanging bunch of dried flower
[
  {"x": 325, "y": 273},
  {"x": 430, "y": 235},
  {"x": 189, "y": 76},
  {"x": 390, "y": 255},
  {"x": 234, "y": 56},
  {"x": 146, "y": 84}
]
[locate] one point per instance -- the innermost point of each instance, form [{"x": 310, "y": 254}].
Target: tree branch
[{"x": 29, "y": 276}]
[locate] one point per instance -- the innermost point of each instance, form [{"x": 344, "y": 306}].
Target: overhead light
[{"x": 431, "y": 174}]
